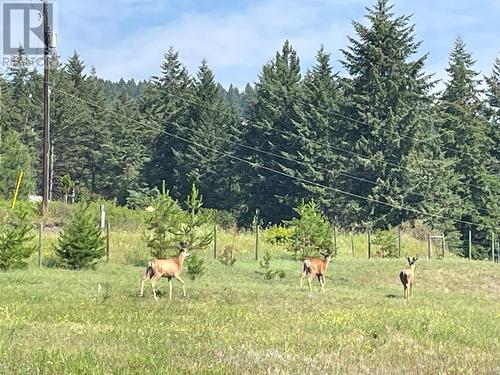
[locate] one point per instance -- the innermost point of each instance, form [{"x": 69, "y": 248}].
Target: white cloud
[{"x": 128, "y": 39}]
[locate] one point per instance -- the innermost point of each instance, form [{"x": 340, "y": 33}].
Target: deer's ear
[{"x": 409, "y": 260}]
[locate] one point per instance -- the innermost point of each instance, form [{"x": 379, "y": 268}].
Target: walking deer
[
  {"x": 407, "y": 277},
  {"x": 169, "y": 268},
  {"x": 315, "y": 267}
]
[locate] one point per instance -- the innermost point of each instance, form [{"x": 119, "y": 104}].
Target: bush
[
  {"x": 81, "y": 243},
  {"x": 164, "y": 226},
  {"x": 227, "y": 257},
  {"x": 387, "y": 243},
  {"x": 195, "y": 266},
  {"x": 15, "y": 238},
  {"x": 143, "y": 198},
  {"x": 194, "y": 231},
  {"x": 267, "y": 271},
  {"x": 311, "y": 230},
  {"x": 222, "y": 218},
  {"x": 278, "y": 234}
]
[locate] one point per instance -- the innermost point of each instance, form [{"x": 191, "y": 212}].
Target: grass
[{"x": 234, "y": 322}]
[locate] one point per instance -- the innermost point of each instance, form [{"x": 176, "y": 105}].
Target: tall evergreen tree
[
  {"x": 126, "y": 153},
  {"x": 247, "y": 98},
  {"x": 212, "y": 123},
  {"x": 493, "y": 113},
  {"x": 320, "y": 129},
  {"x": 464, "y": 130},
  {"x": 388, "y": 105},
  {"x": 15, "y": 158},
  {"x": 276, "y": 116},
  {"x": 25, "y": 117},
  {"x": 166, "y": 102}
]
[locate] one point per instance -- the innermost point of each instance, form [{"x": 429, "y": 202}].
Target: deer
[
  {"x": 407, "y": 276},
  {"x": 315, "y": 267},
  {"x": 170, "y": 268}
]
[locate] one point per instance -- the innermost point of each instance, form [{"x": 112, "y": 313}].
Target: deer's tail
[
  {"x": 149, "y": 270},
  {"x": 307, "y": 265}
]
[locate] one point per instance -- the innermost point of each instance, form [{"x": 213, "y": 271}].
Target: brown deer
[
  {"x": 169, "y": 268},
  {"x": 315, "y": 267},
  {"x": 407, "y": 277}
]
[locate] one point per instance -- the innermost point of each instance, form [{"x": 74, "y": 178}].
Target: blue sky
[{"x": 127, "y": 38}]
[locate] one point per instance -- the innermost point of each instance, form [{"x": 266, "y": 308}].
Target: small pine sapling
[
  {"x": 81, "y": 243},
  {"x": 227, "y": 257},
  {"x": 16, "y": 240},
  {"x": 267, "y": 271},
  {"x": 194, "y": 233}
]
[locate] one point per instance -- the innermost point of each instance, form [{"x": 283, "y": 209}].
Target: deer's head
[
  {"x": 412, "y": 261},
  {"x": 183, "y": 249}
]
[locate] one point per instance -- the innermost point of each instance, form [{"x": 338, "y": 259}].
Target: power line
[
  {"x": 261, "y": 166},
  {"x": 342, "y": 172},
  {"x": 286, "y": 132}
]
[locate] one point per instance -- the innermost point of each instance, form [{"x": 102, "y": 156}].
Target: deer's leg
[
  {"x": 154, "y": 280},
  {"x": 183, "y": 285},
  {"x": 309, "y": 278},
  {"x": 302, "y": 275},
  {"x": 323, "y": 281},
  {"x": 320, "y": 283},
  {"x": 170, "y": 288}
]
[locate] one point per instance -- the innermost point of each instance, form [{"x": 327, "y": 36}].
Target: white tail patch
[{"x": 307, "y": 263}]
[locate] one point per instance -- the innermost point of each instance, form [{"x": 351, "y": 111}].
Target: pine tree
[
  {"x": 247, "y": 98},
  {"x": 493, "y": 113},
  {"x": 72, "y": 121},
  {"x": 386, "y": 118},
  {"x": 212, "y": 123},
  {"x": 126, "y": 152},
  {"x": 81, "y": 243},
  {"x": 25, "y": 115},
  {"x": 16, "y": 240},
  {"x": 320, "y": 129},
  {"x": 14, "y": 159},
  {"x": 165, "y": 104},
  {"x": 276, "y": 115},
  {"x": 464, "y": 130}
]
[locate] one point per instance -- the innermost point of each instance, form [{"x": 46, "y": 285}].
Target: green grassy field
[{"x": 234, "y": 322}]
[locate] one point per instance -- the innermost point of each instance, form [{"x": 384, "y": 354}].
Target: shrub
[
  {"x": 195, "y": 266},
  {"x": 222, "y": 218},
  {"x": 311, "y": 230},
  {"x": 267, "y": 271},
  {"x": 387, "y": 242},
  {"x": 278, "y": 234},
  {"x": 15, "y": 240},
  {"x": 81, "y": 243},
  {"x": 194, "y": 231},
  {"x": 227, "y": 256},
  {"x": 143, "y": 197},
  {"x": 164, "y": 226}
]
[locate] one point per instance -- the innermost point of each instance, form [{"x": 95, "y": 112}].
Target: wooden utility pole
[
  {"x": 40, "y": 234},
  {"x": 399, "y": 242},
  {"x": 334, "y": 240},
  {"x": 493, "y": 246},
  {"x": 46, "y": 120},
  {"x": 429, "y": 246},
  {"x": 256, "y": 219},
  {"x": 215, "y": 241},
  {"x": 369, "y": 235}
]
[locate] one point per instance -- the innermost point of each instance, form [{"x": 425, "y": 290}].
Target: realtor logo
[{"x": 22, "y": 26}]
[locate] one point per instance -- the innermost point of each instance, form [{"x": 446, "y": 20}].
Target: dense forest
[{"x": 375, "y": 148}]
